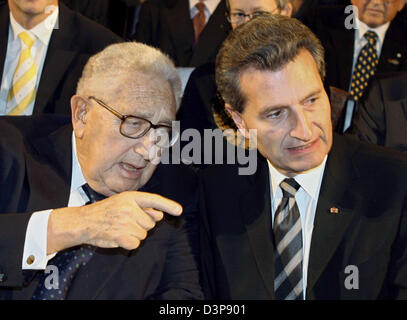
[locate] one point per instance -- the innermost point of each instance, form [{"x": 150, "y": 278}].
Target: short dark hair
[{"x": 267, "y": 42}]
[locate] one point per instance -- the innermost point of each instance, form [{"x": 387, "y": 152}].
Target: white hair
[{"x": 121, "y": 61}]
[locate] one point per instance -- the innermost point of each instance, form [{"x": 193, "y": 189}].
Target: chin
[
  {"x": 304, "y": 167},
  {"x": 374, "y": 22}
]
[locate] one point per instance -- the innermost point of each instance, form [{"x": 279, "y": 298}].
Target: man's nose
[
  {"x": 377, "y": 2},
  {"x": 301, "y": 126},
  {"x": 145, "y": 146}
]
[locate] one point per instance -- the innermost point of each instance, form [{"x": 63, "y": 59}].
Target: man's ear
[
  {"x": 238, "y": 120},
  {"x": 79, "y": 111},
  {"x": 287, "y": 10}
]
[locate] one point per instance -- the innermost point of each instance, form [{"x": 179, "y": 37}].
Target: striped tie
[
  {"x": 23, "y": 92},
  {"x": 288, "y": 245}
]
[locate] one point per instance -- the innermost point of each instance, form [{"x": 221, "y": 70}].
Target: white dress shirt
[
  {"x": 306, "y": 198},
  {"x": 35, "y": 245},
  {"x": 42, "y": 33},
  {"x": 360, "y": 41},
  {"x": 210, "y": 7}
]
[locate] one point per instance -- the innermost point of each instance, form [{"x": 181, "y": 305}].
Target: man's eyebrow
[
  {"x": 314, "y": 93},
  {"x": 150, "y": 116},
  {"x": 269, "y": 109}
]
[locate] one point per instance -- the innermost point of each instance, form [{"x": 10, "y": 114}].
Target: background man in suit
[
  {"x": 382, "y": 118},
  {"x": 347, "y": 35},
  {"x": 310, "y": 215},
  {"x": 45, "y": 48},
  {"x": 189, "y": 31},
  {"x": 121, "y": 115}
]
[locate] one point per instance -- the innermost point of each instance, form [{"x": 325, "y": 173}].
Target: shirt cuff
[{"x": 35, "y": 246}]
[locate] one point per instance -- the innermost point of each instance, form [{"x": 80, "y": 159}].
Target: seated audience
[{"x": 86, "y": 205}]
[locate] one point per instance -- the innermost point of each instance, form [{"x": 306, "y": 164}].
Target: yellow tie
[{"x": 22, "y": 92}]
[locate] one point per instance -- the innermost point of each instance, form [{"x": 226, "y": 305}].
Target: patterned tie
[
  {"x": 365, "y": 66},
  {"x": 22, "y": 93},
  {"x": 288, "y": 245},
  {"x": 199, "y": 20},
  {"x": 67, "y": 262}
]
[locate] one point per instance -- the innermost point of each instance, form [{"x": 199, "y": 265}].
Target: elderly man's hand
[{"x": 122, "y": 220}]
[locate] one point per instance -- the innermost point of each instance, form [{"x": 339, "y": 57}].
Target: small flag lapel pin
[{"x": 334, "y": 210}]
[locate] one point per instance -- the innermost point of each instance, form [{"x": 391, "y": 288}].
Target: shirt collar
[
  {"x": 77, "y": 179},
  {"x": 309, "y": 181},
  {"x": 210, "y": 4},
  {"x": 41, "y": 31},
  {"x": 362, "y": 28}
]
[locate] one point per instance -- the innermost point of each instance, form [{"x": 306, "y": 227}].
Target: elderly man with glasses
[{"x": 87, "y": 211}]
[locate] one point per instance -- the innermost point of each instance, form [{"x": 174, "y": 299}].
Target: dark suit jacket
[
  {"x": 167, "y": 25},
  {"x": 196, "y": 105},
  {"x": 382, "y": 118},
  {"x": 35, "y": 174},
  {"x": 365, "y": 182},
  {"x": 329, "y": 25},
  {"x": 70, "y": 47}
]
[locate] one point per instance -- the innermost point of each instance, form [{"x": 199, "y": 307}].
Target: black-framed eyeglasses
[
  {"x": 135, "y": 127},
  {"x": 239, "y": 17}
]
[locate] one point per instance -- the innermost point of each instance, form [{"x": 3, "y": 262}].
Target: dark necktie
[
  {"x": 365, "y": 66},
  {"x": 67, "y": 262},
  {"x": 288, "y": 245},
  {"x": 199, "y": 20}
]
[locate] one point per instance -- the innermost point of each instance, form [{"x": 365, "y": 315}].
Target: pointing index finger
[{"x": 157, "y": 202}]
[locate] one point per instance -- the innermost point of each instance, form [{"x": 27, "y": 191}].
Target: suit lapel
[
  {"x": 91, "y": 279},
  {"x": 60, "y": 53},
  {"x": 49, "y": 170},
  {"x": 393, "y": 52},
  {"x": 212, "y": 36},
  {"x": 4, "y": 29},
  {"x": 54, "y": 156},
  {"x": 180, "y": 29},
  {"x": 343, "y": 48},
  {"x": 256, "y": 212},
  {"x": 329, "y": 228}
]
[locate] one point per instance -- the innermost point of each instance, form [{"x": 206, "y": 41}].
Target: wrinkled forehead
[{"x": 147, "y": 96}]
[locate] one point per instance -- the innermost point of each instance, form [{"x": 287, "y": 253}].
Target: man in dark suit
[
  {"x": 306, "y": 224},
  {"x": 342, "y": 33},
  {"x": 168, "y": 25},
  {"x": 382, "y": 118},
  {"x": 122, "y": 247},
  {"x": 60, "y": 53}
]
